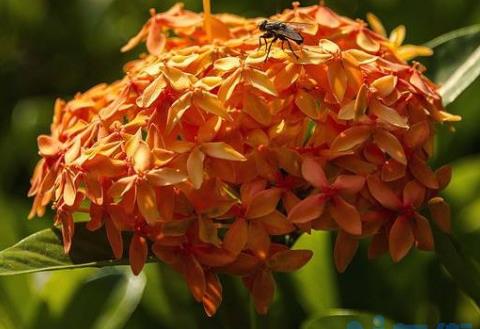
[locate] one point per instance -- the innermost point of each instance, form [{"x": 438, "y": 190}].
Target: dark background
[{"x": 55, "y": 48}]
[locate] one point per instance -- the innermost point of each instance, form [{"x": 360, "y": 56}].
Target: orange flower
[
  {"x": 257, "y": 272},
  {"x": 212, "y": 153},
  {"x": 409, "y": 225}
]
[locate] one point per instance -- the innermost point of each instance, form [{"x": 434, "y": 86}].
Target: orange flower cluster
[{"x": 216, "y": 157}]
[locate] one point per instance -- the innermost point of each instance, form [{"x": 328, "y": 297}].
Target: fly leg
[
  {"x": 270, "y": 47},
  {"x": 260, "y": 43},
  {"x": 291, "y": 49},
  {"x": 265, "y": 37}
]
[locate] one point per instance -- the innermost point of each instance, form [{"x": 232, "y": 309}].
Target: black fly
[{"x": 278, "y": 31}]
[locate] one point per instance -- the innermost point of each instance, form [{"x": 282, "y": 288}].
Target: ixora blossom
[{"x": 214, "y": 158}]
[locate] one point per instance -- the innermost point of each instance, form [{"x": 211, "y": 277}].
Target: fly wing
[
  {"x": 291, "y": 34},
  {"x": 305, "y": 27},
  {"x": 299, "y": 25}
]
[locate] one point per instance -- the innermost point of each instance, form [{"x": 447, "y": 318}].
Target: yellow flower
[{"x": 396, "y": 39}]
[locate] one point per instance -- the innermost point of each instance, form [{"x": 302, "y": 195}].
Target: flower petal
[
  {"x": 94, "y": 189},
  {"x": 401, "y": 238},
  {"x": 346, "y": 216},
  {"x": 195, "y": 277},
  {"x": 258, "y": 240},
  {"x": 195, "y": 167},
  {"x": 263, "y": 203},
  {"x": 236, "y": 236},
  {"x": 208, "y": 231},
  {"x": 248, "y": 190},
  {"x": 392, "y": 170},
  {"x": 156, "y": 39},
  {"x": 177, "y": 110},
  {"x": 228, "y": 86},
  {"x": 151, "y": 93},
  {"x": 68, "y": 230},
  {"x": 69, "y": 190},
  {"x": 121, "y": 186},
  {"x": 178, "y": 79},
  {"x": 138, "y": 252},
  {"x": 48, "y": 146},
  {"x": 417, "y": 135},
  {"x": 408, "y": 52},
  {"x": 361, "y": 102},
  {"x": 227, "y": 63},
  {"x": 308, "y": 104},
  {"x": 383, "y": 194},
  {"x": 289, "y": 260},
  {"x": 255, "y": 107},
  {"x": 398, "y": 36},
  {"x": 276, "y": 223},
  {"x": 286, "y": 76},
  {"x": 165, "y": 176},
  {"x": 307, "y": 210},
  {"x": 385, "y": 85},
  {"x": 347, "y": 111},
  {"x": 345, "y": 249},
  {"x": 440, "y": 211},
  {"x": 350, "y": 138},
  {"x": 387, "y": 114},
  {"x": 142, "y": 159},
  {"x": 325, "y": 17},
  {"x": 147, "y": 202},
  {"x": 413, "y": 194},
  {"x": 376, "y": 24},
  {"x": 389, "y": 144},
  {"x": 423, "y": 233},
  {"x": 96, "y": 217},
  {"x": 313, "y": 173},
  {"x": 350, "y": 184},
  {"x": 337, "y": 79},
  {"x": 221, "y": 150},
  {"x": 209, "y": 130},
  {"x": 366, "y": 42},
  {"x": 261, "y": 81},
  {"x": 211, "y": 104},
  {"x": 114, "y": 238},
  {"x": 220, "y": 30},
  {"x": 213, "y": 294},
  {"x": 208, "y": 83},
  {"x": 422, "y": 172},
  {"x": 135, "y": 40},
  {"x": 263, "y": 290}
]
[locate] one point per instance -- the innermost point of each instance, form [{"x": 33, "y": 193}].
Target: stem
[
  {"x": 253, "y": 315},
  {"x": 257, "y": 321},
  {"x": 207, "y": 23}
]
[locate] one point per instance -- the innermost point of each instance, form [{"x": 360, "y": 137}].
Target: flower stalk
[{"x": 207, "y": 12}]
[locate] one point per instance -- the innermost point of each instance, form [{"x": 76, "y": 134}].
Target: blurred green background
[{"x": 54, "y": 48}]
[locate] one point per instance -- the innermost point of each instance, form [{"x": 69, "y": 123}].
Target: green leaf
[
  {"x": 462, "y": 194},
  {"x": 456, "y": 61},
  {"x": 43, "y": 251},
  {"x": 58, "y": 299},
  {"x": 86, "y": 304},
  {"x": 122, "y": 302},
  {"x": 316, "y": 281},
  {"x": 463, "y": 268},
  {"x": 341, "y": 319},
  {"x": 465, "y": 183}
]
